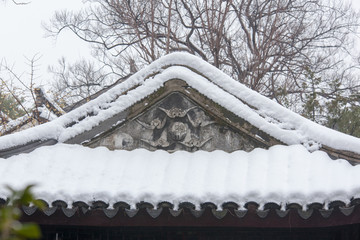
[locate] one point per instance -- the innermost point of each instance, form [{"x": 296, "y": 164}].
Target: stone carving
[
  {"x": 175, "y": 129},
  {"x": 174, "y": 123},
  {"x": 178, "y": 130},
  {"x": 176, "y": 112},
  {"x": 161, "y": 142},
  {"x": 200, "y": 121},
  {"x": 156, "y": 123},
  {"x": 195, "y": 143}
]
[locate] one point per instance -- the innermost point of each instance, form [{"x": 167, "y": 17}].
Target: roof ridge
[{"x": 203, "y": 77}]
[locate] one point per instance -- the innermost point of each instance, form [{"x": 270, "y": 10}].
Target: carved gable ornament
[
  {"x": 180, "y": 102},
  {"x": 178, "y": 122}
]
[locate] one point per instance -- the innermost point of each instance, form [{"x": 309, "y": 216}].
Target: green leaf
[
  {"x": 26, "y": 197},
  {"x": 38, "y": 203},
  {"x": 28, "y": 230}
]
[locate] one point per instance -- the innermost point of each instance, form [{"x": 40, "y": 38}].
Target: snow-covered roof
[
  {"x": 44, "y": 110},
  {"x": 261, "y": 112},
  {"x": 4, "y": 116},
  {"x": 50, "y": 103},
  {"x": 14, "y": 124},
  {"x": 281, "y": 175}
]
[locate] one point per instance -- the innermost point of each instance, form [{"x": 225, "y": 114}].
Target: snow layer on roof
[
  {"x": 5, "y": 116},
  {"x": 46, "y": 113},
  {"x": 14, "y": 123},
  {"x": 282, "y": 174},
  {"x": 55, "y": 105},
  {"x": 270, "y": 117}
]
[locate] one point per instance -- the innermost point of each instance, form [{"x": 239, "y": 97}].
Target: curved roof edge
[
  {"x": 281, "y": 175},
  {"x": 258, "y": 110},
  {"x": 98, "y": 213}
]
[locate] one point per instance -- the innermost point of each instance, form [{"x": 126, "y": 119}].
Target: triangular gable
[
  {"x": 182, "y": 103},
  {"x": 117, "y": 105},
  {"x": 182, "y": 120}
]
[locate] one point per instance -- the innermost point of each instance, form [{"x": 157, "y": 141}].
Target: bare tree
[
  {"x": 24, "y": 89},
  {"x": 74, "y": 82},
  {"x": 17, "y": 94},
  {"x": 17, "y": 2},
  {"x": 269, "y": 45}
]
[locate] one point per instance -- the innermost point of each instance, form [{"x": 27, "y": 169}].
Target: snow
[
  {"x": 13, "y": 123},
  {"x": 282, "y": 174},
  {"x": 46, "y": 113},
  {"x": 43, "y": 110},
  {"x": 54, "y": 104},
  {"x": 5, "y": 116},
  {"x": 268, "y": 116}
]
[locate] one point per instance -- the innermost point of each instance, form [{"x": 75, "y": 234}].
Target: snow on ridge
[
  {"x": 55, "y": 105},
  {"x": 290, "y": 129},
  {"x": 13, "y": 123},
  {"x": 282, "y": 174}
]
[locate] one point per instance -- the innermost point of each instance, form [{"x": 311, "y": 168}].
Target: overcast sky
[{"x": 22, "y": 35}]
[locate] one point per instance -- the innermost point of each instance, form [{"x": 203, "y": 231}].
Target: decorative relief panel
[{"x": 175, "y": 123}]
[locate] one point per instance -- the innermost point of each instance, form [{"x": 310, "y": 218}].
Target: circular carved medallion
[{"x": 178, "y": 131}]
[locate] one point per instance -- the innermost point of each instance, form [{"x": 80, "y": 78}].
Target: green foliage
[
  {"x": 10, "y": 106},
  {"x": 344, "y": 115},
  {"x": 336, "y": 107},
  {"x": 312, "y": 107},
  {"x": 10, "y": 226}
]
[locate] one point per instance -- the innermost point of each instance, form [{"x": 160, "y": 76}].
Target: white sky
[{"x": 22, "y": 35}]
